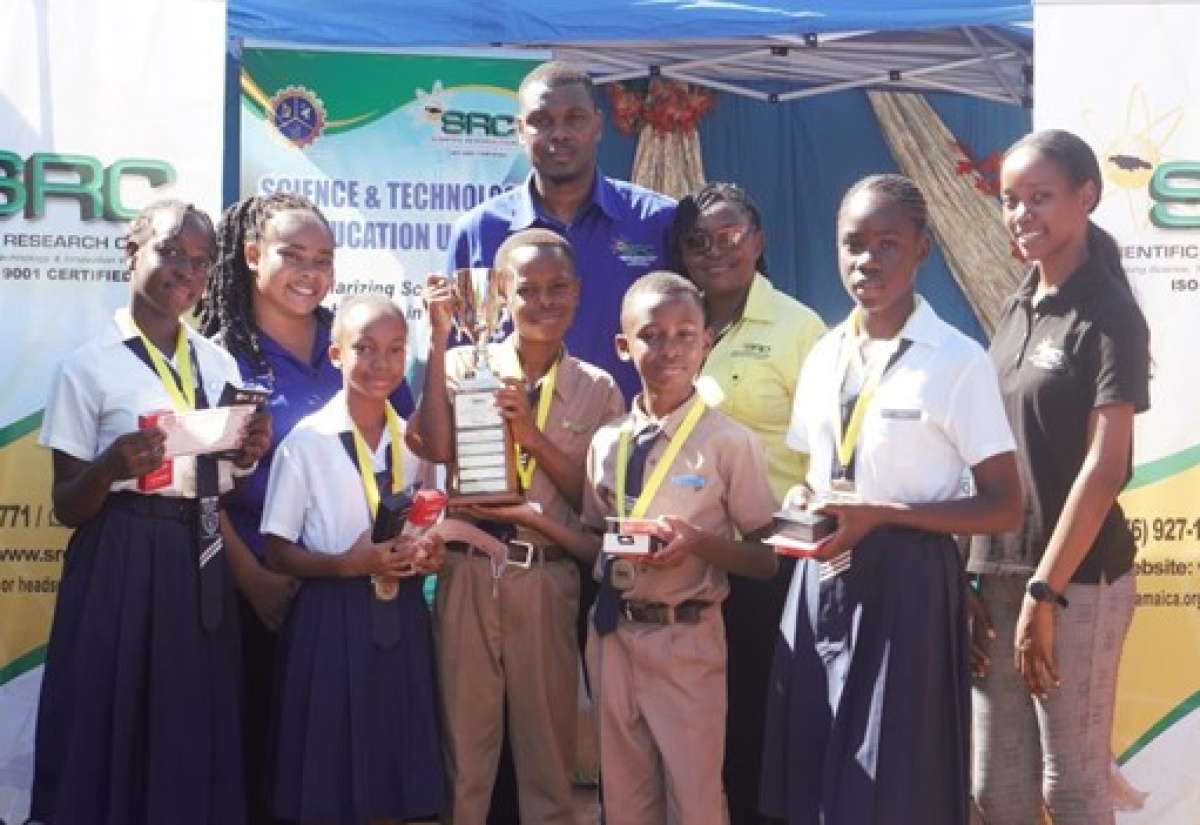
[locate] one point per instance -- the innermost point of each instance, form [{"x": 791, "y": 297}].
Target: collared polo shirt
[
  {"x": 1081, "y": 348},
  {"x": 619, "y": 235},
  {"x": 755, "y": 367},
  {"x": 936, "y": 413}
]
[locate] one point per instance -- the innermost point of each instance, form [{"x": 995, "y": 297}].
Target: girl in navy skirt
[
  {"x": 868, "y": 715},
  {"x": 139, "y": 717},
  {"x": 354, "y": 737}
]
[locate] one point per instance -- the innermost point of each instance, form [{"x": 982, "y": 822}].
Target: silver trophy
[{"x": 485, "y": 458}]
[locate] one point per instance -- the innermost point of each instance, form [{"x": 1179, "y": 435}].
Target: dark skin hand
[
  {"x": 982, "y": 633},
  {"x": 256, "y": 440}
]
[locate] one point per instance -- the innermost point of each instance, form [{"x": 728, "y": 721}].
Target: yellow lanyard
[
  {"x": 526, "y": 464},
  {"x": 365, "y": 467},
  {"x": 660, "y": 472},
  {"x": 853, "y": 428},
  {"x": 183, "y": 397}
]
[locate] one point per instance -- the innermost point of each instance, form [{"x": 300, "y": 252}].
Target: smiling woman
[{"x": 761, "y": 339}]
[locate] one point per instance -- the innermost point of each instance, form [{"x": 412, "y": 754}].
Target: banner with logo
[
  {"x": 392, "y": 146},
  {"x": 1141, "y": 113},
  {"x": 103, "y": 108}
]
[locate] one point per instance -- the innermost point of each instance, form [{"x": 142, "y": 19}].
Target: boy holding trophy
[{"x": 505, "y": 623}]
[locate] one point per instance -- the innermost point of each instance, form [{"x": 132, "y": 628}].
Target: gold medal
[{"x": 624, "y": 574}]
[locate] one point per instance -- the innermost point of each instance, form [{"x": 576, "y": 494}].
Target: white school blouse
[
  {"x": 315, "y": 495},
  {"x": 935, "y": 413},
  {"x": 102, "y": 387}
]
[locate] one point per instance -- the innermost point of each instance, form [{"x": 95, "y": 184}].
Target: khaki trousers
[
  {"x": 660, "y": 697},
  {"x": 508, "y": 642}
]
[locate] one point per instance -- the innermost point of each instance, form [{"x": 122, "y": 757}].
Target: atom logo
[
  {"x": 1131, "y": 155},
  {"x": 431, "y": 105}
]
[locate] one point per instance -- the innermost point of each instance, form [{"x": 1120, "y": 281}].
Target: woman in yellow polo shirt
[{"x": 760, "y": 339}]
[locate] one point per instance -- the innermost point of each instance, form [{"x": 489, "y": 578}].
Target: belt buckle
[
  {"x": 529, "y": 550},
  {"x": 626, "y": 610}
]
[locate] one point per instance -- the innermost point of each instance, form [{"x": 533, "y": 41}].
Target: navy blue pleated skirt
[
  {"x": 138, "y": 722},
  {"x": 355, "y": 735},
  {"x": 868, "y": 713}
]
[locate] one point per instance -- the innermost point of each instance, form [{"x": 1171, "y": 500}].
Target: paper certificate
[{"x": 214, "y": 430}]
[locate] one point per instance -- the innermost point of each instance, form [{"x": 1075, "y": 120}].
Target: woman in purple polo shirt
[{"x": 275, "y": 265}]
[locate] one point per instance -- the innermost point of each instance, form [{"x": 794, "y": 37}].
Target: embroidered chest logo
[
  {"x": 1048, "y": 356},
  {"x": 754, "y": 351},
  {"x": 634, "y": 254}
]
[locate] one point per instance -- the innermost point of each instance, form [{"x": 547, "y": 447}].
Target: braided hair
[
  {"x": 688, "y": 212},
  {"x": 897, "y": 187},
  {"x": 226, "y": 312},
  {"x": 141, "y": 228}
]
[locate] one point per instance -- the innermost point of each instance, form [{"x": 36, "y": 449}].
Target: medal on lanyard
[
  {"x": 842, "y": 485},
  {"x": 183, "y": 392},
  {"x": 660, "y": 472},
  {"x": 363, "y": 455},
  {"x": 526, "y": 463}
]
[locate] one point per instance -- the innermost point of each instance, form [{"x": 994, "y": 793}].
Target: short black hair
[
  {"x": 664, "y": 283},
  {"x": 542, "y": 238},
  {"x": 555, "y": 74},
  {"x": 365, "y": 299}
]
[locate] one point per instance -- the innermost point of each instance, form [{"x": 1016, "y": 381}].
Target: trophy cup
[{"x": 483, "y": 443}]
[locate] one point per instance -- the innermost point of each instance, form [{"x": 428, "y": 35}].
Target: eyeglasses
[{"x": 723, "y": 240}]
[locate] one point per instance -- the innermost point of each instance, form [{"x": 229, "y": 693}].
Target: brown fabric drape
[{"x": 965, "y": 220}]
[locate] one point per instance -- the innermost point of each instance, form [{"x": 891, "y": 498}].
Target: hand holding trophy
[{"x": 483, "y": 443}]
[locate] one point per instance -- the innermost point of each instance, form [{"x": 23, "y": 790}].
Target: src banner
[
  {"x": 1141, "y": 113},
  {"x": 89, "y": 133},
  {"x": 392, "y": 162}
]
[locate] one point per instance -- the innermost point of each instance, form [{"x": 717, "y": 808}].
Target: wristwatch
[{"x": 1039, "y": 591}]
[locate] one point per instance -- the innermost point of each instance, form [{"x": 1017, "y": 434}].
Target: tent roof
[{"x": 770, "y": 49}]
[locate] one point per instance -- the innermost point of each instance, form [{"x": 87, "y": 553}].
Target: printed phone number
[
  {"x": 27, "y": 516},
  {"x": 1163, "y": 529}
]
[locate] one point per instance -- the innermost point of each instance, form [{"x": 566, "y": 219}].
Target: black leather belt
[
  {"x": 662, "y": 613},
  {"x": 520, "y": 553},
  {"x": 171, "y": 508}
]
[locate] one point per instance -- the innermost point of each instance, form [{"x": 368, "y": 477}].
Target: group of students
[{"x": 359, "y": 710}]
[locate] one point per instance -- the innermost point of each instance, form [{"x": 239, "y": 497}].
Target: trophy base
[{"x": 499, "y": 498}]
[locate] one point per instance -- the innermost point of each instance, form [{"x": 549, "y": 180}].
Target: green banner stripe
[
  {"x": 1154, "y": 731},
  {"x": 22, "y": 665},
  {"x": 19, "y": 429},
  {"x": 1164, "y": 467}
]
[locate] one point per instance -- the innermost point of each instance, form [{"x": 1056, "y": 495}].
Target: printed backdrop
[
  {"x": 1141, "y": 113},
  {"x": 89, "y": 133},
  {"x": 391, "y": 162}
]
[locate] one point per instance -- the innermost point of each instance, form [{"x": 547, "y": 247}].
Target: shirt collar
[
  {"x": 508, "y": 363},
  {"x": 760, "y": 303},
  {"x": 642, "y": 420},
  {"x": 526, "y": 214},
  {"x": 923, "y": 327}
]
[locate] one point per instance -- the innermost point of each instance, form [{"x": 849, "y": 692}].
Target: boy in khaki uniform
[
  {"x": 656, "y": 653},
  {"x": 505, "y": 633}
]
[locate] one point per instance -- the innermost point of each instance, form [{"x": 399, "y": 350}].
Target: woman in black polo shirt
[{"x": 1072, "y": 352}]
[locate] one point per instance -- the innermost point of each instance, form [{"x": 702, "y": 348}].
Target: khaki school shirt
[
  {"x": 585, "y": 397},
  {"x": 717, "y": 482}
]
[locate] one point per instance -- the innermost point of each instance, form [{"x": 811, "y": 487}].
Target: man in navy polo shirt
[{"x": 617, "y": 230}]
